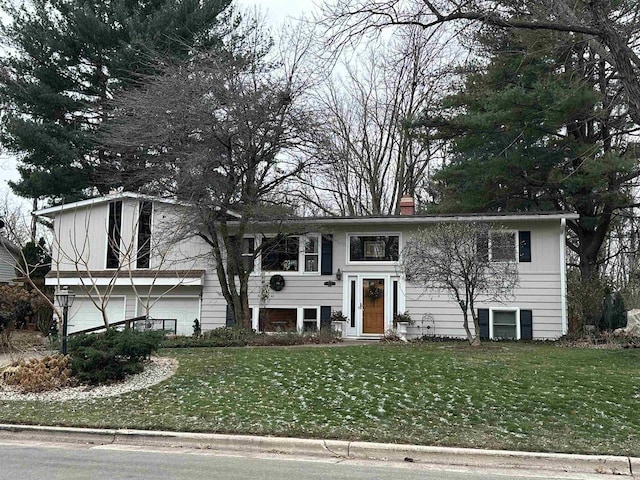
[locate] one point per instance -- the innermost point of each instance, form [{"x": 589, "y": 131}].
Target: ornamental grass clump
[{"x": 36, "y": 375}]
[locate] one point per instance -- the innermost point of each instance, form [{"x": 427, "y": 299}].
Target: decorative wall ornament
[{"x": 277, "y": 282}]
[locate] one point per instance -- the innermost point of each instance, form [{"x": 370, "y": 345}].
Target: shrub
[
  {"x": 39, "y": 374},
  {"x": 229, "y": 336},
  {"x": 325, "y": 335},
  {"x": 219, "y": 337},
  {"x": 240, "y": 337},
  {"x": 585, "y": 301},
  {"x": 110, "y": 356},
  {"x": 613, "y": 312},
  {"x": 197, "y": 329}
]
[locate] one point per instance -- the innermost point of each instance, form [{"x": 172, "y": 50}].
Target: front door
[{"x": 373, "y": 305}]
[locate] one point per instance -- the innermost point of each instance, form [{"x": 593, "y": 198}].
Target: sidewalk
[{"x": 467, "y": 457}]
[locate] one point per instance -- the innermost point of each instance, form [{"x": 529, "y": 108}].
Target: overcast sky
[{"x": 276, "y": 11}]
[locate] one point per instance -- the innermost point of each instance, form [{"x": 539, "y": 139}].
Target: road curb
[{"x": 468, "y": 457}]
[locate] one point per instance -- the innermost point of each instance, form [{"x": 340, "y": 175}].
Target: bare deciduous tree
[
  {"x": 454, "y": 258},
  {"x": 225, "y": 132},
  {"x": 372, "y": 154},
  {"x": 613, "y": 28}
]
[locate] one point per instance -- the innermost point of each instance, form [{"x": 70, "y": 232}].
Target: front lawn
[{"x": 502, "y": 395}]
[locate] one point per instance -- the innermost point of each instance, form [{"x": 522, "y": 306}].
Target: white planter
[
  {"x": 339, "y": 327},
  {"x": 401, "y": 330}
]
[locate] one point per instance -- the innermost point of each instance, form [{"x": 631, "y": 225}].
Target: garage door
[
  {"x": 83, "y": 313},
  {"x": 184, "y": 310}
]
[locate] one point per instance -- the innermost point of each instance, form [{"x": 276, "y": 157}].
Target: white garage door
[
  {"x": 83, "y": 313},
  {"x": 183, "y": 309}
]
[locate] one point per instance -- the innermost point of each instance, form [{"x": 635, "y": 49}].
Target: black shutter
[
  {"x": 230, "y": 322},
  {"x": 325, "y": 317},
  {"x": 326, "y": 262},
  {"x": 482, "y": 246},
  {"x": 524, "y": 239},
  {"x": 526, "y": 325},
  {"x": 483, "y": 320}
]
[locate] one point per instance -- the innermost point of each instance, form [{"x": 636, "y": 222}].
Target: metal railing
[{"x": 140, "y": 323}]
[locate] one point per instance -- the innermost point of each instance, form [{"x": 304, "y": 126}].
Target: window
[
  {"x": 278, "y": 319},
  {"x": 293, "y": 254},
  {"x": 504, "y": 324},
  {"x": 281, "y": 255},
  {"x": 144, "y": 234},
  {"x": 311, "y": 250},
  {"x": 248, "y": 249},
  {"x": 503, "y": 246},
  {"x": 114, "y": 234},
  {"x": 378, "y": 248},
  {"x": 498, "y": 246},
  {"x": 310, "y": 319}
]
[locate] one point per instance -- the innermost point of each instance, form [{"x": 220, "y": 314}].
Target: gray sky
[{"x": 277, "y": 12}]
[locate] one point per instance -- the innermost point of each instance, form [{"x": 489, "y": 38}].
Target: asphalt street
[{"x": 51, "y": 461}]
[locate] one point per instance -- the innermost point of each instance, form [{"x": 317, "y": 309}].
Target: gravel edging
[{"x": 155, "y": 371}]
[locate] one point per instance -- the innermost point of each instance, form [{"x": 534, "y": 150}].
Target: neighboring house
[
  {"x": 9, "y": 255},
  {"x": 343, "y": 263}
]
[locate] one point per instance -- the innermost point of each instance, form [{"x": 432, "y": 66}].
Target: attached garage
[
  {"x": 84, "y": 314},
  {"x": 183, "y": 309}
]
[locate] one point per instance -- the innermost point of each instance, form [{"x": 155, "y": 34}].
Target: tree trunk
[{"x": 470, "y": 338}]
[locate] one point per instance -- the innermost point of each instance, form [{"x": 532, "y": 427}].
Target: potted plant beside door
[
  {"x": 338, "y": 322},
  {"x": 400, "y": 323}
]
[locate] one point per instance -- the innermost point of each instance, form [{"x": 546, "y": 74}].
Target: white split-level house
[{"x": 333, "y": 266}]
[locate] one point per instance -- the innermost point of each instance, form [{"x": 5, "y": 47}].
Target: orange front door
[{"x": 373, "y": 306}]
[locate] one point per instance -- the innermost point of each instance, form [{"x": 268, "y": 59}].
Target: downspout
[{"x": 563, "y": 276}]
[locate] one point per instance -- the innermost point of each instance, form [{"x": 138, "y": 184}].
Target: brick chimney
[{"x": 407, "y": 205}]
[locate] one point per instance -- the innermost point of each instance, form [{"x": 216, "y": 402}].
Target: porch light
[
  {"x": 65, "y": 298},
  {"x": 338, "y": 275}
]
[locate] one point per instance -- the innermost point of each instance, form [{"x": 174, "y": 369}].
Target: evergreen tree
[
  {"x": 64, "y": 60},
  {"x": 35, "y": 259},
  {"x": 534, "y": 129}
]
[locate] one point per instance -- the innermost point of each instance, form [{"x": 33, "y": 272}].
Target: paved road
[{"x": 37, "y": 461}]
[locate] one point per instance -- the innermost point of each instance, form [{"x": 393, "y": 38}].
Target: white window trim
[
  {"x": 348, "y": 260},
  {"x": 505, "y": 309},
  {"x": 300, "y": 322},
  {"x": 303, "y": 254},
  {"x": 516, "y": 241},
  {"x": 257, "y": 267}
]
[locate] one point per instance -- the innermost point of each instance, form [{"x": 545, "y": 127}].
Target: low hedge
[{"x": 241, "y": 337}]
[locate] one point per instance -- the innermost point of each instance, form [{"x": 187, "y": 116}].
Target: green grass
[{"x": 504, "y": 395}]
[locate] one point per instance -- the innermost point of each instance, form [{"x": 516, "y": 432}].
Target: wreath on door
[
  {"x": 277, "y": 282},
  {"x": 374, "y": 292}
]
